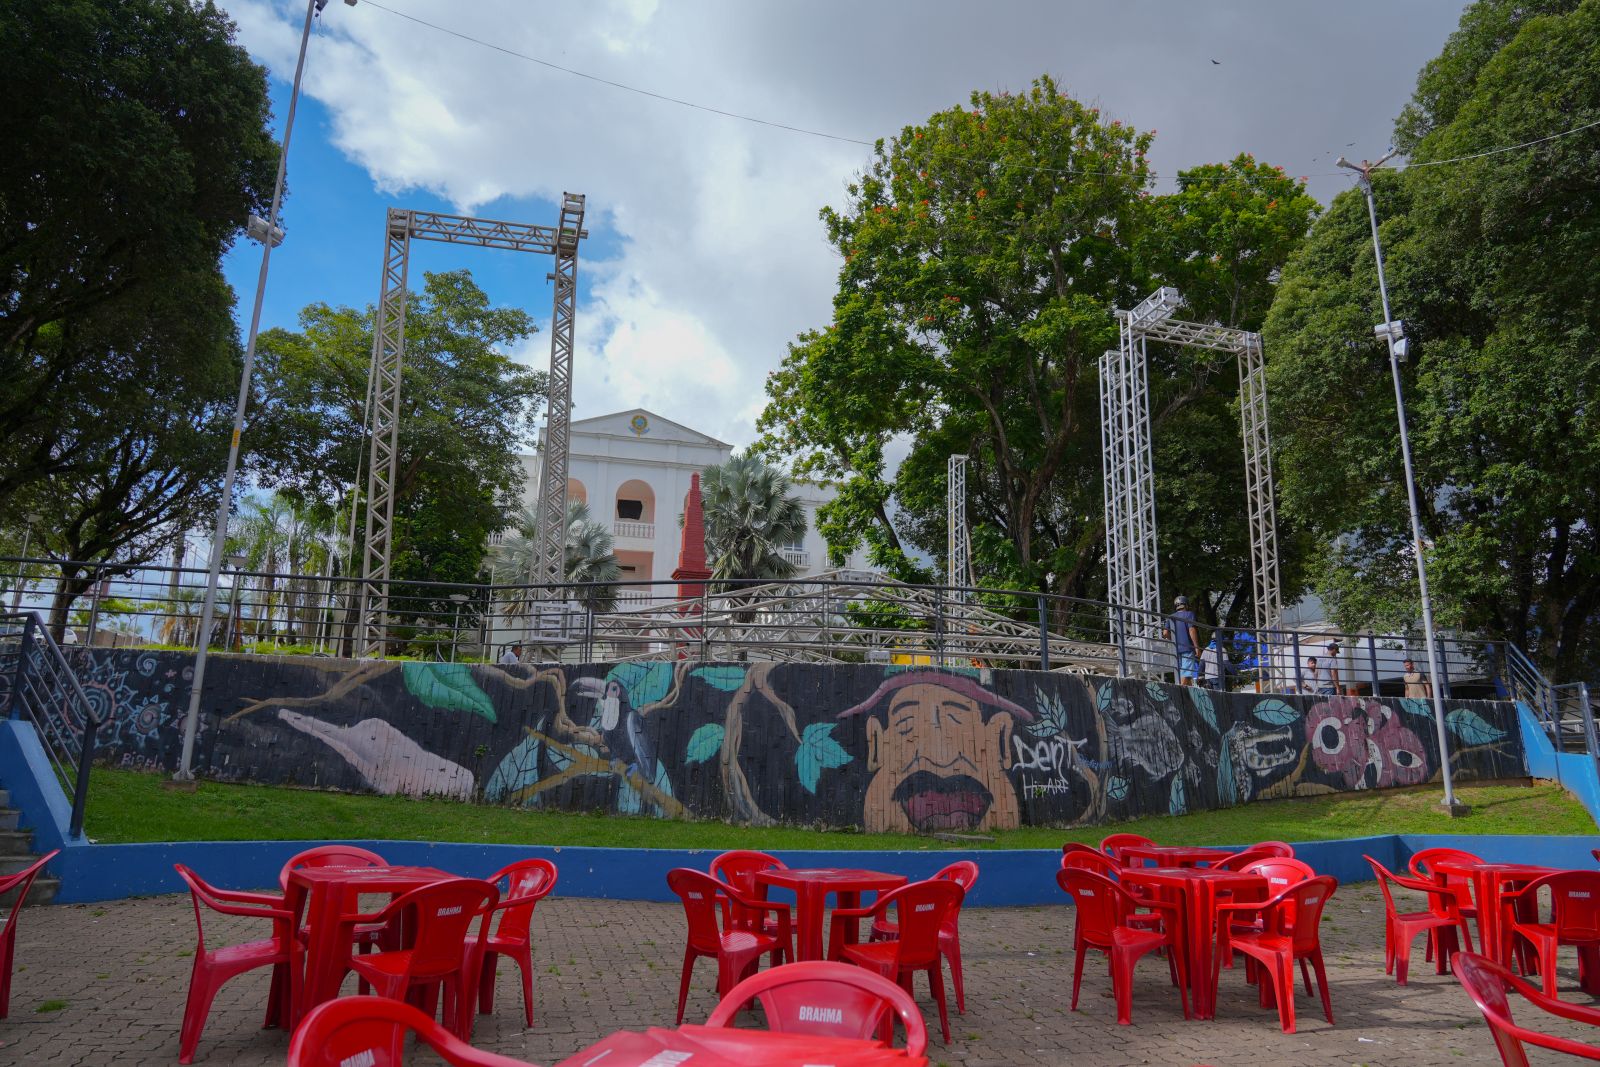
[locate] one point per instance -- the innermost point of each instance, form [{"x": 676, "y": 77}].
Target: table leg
[
  {"x": 808, "y": 916},
  {"x": 1488, "y": 891},
  {"x": 324, "y": 961},
  {"x": 1202, "y": 898}
]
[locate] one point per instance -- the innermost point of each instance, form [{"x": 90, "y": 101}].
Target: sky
[{"x": 705, "y": 255}]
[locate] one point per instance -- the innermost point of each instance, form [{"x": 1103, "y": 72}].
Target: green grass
[{"x": 128, "y": 806}]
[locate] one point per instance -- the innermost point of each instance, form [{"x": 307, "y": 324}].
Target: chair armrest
[
  {"x": 239, "y": 896},
  {"x": 853, "y": 913}
]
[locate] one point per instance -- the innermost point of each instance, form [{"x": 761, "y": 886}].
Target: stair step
[
  {"x": 9, "y": 818},
  {"x": 5, "y": 798},
  {"x": 11, "y": 864},
  {"x": 43, "y": 891},
  {"x": 15, "y": 843}
]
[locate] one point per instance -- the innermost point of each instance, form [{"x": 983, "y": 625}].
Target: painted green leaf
[
  {"x": 646, "y": 683},
  {"x": 1202, "y": 704},
  {"x": 1471, "y": 727},
  {"x": 447, "y": 685},
  {"x": 704, "y": 743},
  {"x": 818, "y": 751},
  {"x": 1117, "y": 788},
  {"x": 1156, "y": 690},
  {"x": 1052, "y": 720},
  {"x": 1414, "y": 706},
  {"x": 518, "y": 770},
  {"x": 1276, "y": 712},
  {"x": 1104, "y": 697},
  {"x": 1177, "y": 803},
  {"x": 726, "y": 679}
]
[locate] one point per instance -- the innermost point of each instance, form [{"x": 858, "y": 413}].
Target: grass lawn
[{"x": 126, "y": 806}]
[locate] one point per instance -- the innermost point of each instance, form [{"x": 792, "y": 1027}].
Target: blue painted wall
[{"x": 1574, "y": 770}]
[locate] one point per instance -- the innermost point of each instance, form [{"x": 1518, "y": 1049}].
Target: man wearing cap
[
  {"x": 1330, "y": 670},
  {"x": 938, "y": 748},
  {"x": 1185, "y": 636}
]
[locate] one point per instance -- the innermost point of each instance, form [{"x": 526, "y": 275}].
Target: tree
[
  {"x": 136, "y": 146},
  {"x": 1491, "y": 266},
  {"x": 588, "y": 559},
  {"x": 984, "y": 253},
  {"x": 467, "y": 408},
  {"x": 751, "y": 515}
]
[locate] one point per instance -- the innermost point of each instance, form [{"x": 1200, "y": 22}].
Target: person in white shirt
[
  {"x": 511, "y": 656},
  {"x": 1310, "y": 676}
]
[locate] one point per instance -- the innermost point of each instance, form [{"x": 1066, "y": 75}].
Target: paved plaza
[{"x": 105, "y": 984}]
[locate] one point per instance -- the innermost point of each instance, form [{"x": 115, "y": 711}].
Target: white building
[{"x": 633, "y": 467}]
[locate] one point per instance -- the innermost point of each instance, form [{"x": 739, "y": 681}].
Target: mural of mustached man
[{"x": 939, "y": 749}]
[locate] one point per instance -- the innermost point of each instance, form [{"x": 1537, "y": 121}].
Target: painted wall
[{"x": 881, "y": 747}]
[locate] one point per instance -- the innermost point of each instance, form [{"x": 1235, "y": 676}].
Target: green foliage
[
  {"x": 984, "y": 253},
  {"x": 588, "y": 558},
  {"x": 1490, "y": 263},
  {"x": 750, "y": 516}
]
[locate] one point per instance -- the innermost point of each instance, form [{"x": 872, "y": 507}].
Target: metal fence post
[
  {"x": 1372, "y": 656},
  {"x": 1044, "y": 637},
  {"x": 938, "y": 625},
  {"x": 1294, "y": 650},
  {"x": 14, "y": 703},
  {"x": 705, "y": 625},
  {"x": 80, "y": 790},
  {"x": 1584, "y": 709},
  {"x": 1122, "y": 642},
  {"x": 1444, "y": 668}
]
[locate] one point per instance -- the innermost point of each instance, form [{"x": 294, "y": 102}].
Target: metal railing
[
  {"x": 42, "y": 688},
  {"x": 840, "y": 616}
]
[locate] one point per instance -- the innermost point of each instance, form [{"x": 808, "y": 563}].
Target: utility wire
[{"x": 1065, "y": 171}]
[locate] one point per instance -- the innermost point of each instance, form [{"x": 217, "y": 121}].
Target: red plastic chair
[
  {"x": 1240, "y": 860},
  {"x": 965, "y": 874},
  {"x": 1400, "y": 928},
  {"x": 1280, "y": 873},
  {"x": 213, "y": 967},
  {"x": 19, "y": 883},
  {"x": 1486, "y": 982},
  {"x": 738, "y": 951},
  {"x": 1111, "y": 844},
  {"x": 1290, "y": 922},
  {"x": 363, "y": 938},
  {"x": 739, "y": 869},
  {"x": 443, "y": 954},
  {"x": 1101, "y": 924},
  {"x": 828, "y": 1000},
  {"x": 1574, "y": 921},
  {"x": 527, "y": 883},
  {"x": 371, "y": 1031},
  {"x": 1423, "y": 865},
  {"x": 924, "y": 908},
  {"x": 1280, "y": 849}
]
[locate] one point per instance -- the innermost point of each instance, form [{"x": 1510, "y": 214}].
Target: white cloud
[{"x": 719, "y": 255}]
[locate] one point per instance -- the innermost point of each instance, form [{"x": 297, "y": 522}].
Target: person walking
[
  {"x": 1185, "y": 636},
  {"x": 1330, "y": 670},
  {"x": 511, "y": 656},
  {"x": 1418, "y": 687},
  {"x": 1215, "y": 667}
]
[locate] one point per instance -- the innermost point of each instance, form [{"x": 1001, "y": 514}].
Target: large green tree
[
  {"x": 136, "y": 144},
  {"x": 1491, "y": 264},
  {"x": 467, "y": 409},
  {"x": 984, "y": 253}
]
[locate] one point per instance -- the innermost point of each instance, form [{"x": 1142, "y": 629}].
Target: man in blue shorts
[{"x": 1185, "y": 637}]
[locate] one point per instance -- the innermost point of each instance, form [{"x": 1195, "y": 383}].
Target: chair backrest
[
  {"x": 1089, "y": 860},
  {"x": 1422, "y": 862},
  {"x": 963, "y": 873},
  {"x": 1281, "y": 849},
  {"x": 370, "y": 1031},
  {"x": 1384, "y": 876},
  {"x": 1113, "y": 842},
  {"x": 22, "y": 881},
  {"x": 1099, "y": 902},
  {"x": 826, "y": 999},
  {"x": 330, "y": 856},
  {"x": 1487, "y": 982},
  {"x": 443, "y": 915},
  {"x": 740, "y": 867},
  {"x": 702, "y": 896},
  {"x": 922, "y": 907},
  {"x": 1574, "y": 902},
  {"x": 1297, "y": 911},
  {"x": 527, "y": 883},
  {"x": 1240, "y": 860},
  {"x": 1280, "y": 873}
]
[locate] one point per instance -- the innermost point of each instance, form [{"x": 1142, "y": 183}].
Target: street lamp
[
  {"x": 236, "y": 562},
  {"x": 29, "y": 520},
  {"x": 1392, "y": 330},
  {"x": 270, "y": 234},
  {"x": 455, "y": 628}
]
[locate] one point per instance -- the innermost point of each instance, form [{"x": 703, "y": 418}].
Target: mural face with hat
[{"x": 939, "y": 749}]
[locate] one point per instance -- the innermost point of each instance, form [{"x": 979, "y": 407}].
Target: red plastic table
[
  {"x": 811, "y": 887},
  {"x": 1490, "y": 881},
  {"x": 702, "y": 1046},
  {"x": 1172, "y": 855},
  {"x": 326, "y": 894},
  {"x": 1197, "y": 888}
]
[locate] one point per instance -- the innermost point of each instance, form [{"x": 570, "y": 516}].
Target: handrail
[{"x": 45, "y": 690}]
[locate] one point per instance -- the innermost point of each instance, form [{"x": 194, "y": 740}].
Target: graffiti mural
[{"x": 896, "y": 748}]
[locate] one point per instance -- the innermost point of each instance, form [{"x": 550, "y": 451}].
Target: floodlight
[
  {"x": 1402, "y": 349},
  {"x": 258, "y": 229}
]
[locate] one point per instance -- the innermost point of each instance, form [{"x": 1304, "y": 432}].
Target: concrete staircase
[{"x": 16, "y": 854}]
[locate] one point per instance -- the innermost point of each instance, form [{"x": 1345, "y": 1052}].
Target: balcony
[
  {"x": 798, "y": 558},
  {"x": 645, "y": 531}
]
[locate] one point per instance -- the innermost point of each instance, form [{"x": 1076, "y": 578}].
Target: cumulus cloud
[{"x": 717, "y": 255}]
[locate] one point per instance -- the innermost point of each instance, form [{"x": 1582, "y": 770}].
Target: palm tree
[
  {"x": 751, "y": 516},
  {"x": 588, "y": 558}
]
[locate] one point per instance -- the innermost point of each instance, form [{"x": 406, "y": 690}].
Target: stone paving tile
[{"x": 114, "y": 977}]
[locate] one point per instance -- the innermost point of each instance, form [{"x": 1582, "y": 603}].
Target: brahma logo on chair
[
  {"x": 813, "y": 1013},
  {"x": 926, "y": 907},
  {"x": 453, "y": 910},
  {"x": 364, "y": 1058}
]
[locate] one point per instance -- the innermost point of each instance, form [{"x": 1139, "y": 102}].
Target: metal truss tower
[
  {"x": 1132, "y": 568},
  {"x": 401, "y": 227},
  {"x": 958, "y": 555}
]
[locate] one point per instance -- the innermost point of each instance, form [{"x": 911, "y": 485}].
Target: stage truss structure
[
  {"x": 401, "y": 227},
  {"x": 1133, "y": 571},
  {"x": 958, "y": 547}
]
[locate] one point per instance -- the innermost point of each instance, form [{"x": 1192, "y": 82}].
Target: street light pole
[
  {"x": 269, "y": 234},
  {"x": 1393, "y": 332}
]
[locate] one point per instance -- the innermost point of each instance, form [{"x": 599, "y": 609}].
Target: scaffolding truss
[
  {"x": 958, "y": 547},
  {"x": 401, "y": 227},
  {"x": 1133, "y": 571}
]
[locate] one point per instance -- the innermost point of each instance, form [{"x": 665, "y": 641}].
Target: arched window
[
  {"x": 576, "y": 491},
  {"x": 636, "y": 502}
]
